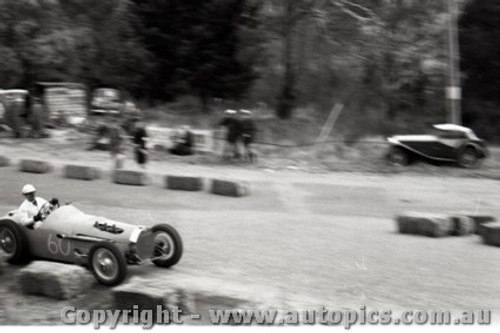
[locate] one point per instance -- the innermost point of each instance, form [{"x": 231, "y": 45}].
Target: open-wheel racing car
[
  {"x": 447, "y": 143},
  {"x": 66, "y": 234}
]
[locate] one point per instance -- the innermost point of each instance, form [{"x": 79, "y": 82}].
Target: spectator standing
[
  {"x": 248, "y": 129},
  {"x": 233, "y": 133},
  {"x": 140, "y": 137},
  {"x": 117, "y": 145}
]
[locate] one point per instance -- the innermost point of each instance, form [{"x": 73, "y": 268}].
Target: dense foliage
[{"x": 479, "y": 31}]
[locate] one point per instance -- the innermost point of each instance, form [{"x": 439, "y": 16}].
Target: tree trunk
[
  {"x": 286, "y": 101},
  {"x": 205, "y": 103}
]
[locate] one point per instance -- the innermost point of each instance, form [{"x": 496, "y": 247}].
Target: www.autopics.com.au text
[{"x": 346, "y": 318}]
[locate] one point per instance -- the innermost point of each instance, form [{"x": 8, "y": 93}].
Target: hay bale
[
  {"x": 144, "y": 294},
  {"x": 432, "y": 225},
  {"x": 4, "y": 161},
  {"x": 184, "y": 183},
  {"x": 130, "y": 177},
  {"x": 130, "y": 295},
  {"x": 35, "y": 166},
  {"x": 180, "y": 298},
  {"x": 491, "y": 233},
  {"x": 54, "y": 280},
  {"x": 3, "y": 259},
  {"x": 229, "y": 188},
  {"x": 81, "y": 172},
  {"x": 462, "y": 225},
  {"x": 480, "y": 220}
]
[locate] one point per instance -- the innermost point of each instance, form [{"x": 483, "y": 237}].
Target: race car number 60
[{"x": 56, "y": 247}]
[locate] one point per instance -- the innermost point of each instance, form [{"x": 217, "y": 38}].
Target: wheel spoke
[
  {"x": 105, "y": 264},
  {"x": 7, "y": 241},
  {"x": 164, "y": 245}
]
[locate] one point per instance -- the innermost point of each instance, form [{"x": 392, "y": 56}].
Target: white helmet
[{"x": 28, "y": 188}]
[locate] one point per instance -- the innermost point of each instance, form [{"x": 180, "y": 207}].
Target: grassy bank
[{"x": 290, "y": 144}]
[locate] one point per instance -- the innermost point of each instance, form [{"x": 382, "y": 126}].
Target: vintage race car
[
  {"x": 447, "y": 143},
  {"x": 68, "y": 235}
]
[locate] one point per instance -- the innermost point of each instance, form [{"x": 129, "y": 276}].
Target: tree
[
  {"x": 399, "y": 40},
  {"x": 89, "y": 41},
  {"x": 479, "y": 30},
  {"x": 283, "y": 19},
  {"x": 107, "y": 50},
  {"x": 198, "y": 44}
]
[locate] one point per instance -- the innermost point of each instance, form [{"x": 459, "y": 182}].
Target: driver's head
[{"x": 29, "y": 192}]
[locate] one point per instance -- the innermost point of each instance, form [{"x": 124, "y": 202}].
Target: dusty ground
[{"x": 304, "y": 238}]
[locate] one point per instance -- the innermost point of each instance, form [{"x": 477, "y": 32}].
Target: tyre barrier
[
  {"x": 4, "y": 161},
  {"x": 35, "y": 166},
  {"x": 81, "y": 172},
  {"x": 490, "y": 232},
  {"x": 184, "y": 183},
  {"x": 54, "y": 280},
  {"x": 129, "y": 177},
  {"x": 229, "y": 188}
]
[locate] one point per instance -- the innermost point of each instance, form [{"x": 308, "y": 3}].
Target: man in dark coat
[
  {"x": 248, "y": 129},
  {"x": 139, "y": 138},
  {"x": 233, "y": 134}
]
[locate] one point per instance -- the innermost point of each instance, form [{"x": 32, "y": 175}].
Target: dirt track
[{"x": 308, "y": 239}]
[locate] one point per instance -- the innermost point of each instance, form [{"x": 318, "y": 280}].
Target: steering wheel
[{"x": 45, "y": 211}]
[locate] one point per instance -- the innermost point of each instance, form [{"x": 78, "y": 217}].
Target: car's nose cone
[{"x": 145, "y": 245}]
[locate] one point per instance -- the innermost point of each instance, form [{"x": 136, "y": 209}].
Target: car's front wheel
[
  {"x": 13, "y": 242},
  {"x": 107, "y": 264},
  {"x": 398, "y": 156},
  {"x": 469, "y": 158},
  {"x": 168, "y": 245}
]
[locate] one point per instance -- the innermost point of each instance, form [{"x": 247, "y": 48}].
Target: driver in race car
[{"x": 30, "y": 208}]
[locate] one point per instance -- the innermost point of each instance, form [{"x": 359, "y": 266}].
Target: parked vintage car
[
  {"x": 23, "y": 113},
  {"x": 447, "y": 143},
  {"x": 15, "y": 110},
  {"x": 108, "y": 101},
  {"x": 68, "y": 235}
]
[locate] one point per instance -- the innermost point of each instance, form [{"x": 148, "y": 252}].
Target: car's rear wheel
[
  {"x": 398, "y": 156},
  {"x": 107, "y": 264},
  {"x": 168, "y": 245},
  {"x": 13, "y": 242},
  {"x": 469, "y": 158}
]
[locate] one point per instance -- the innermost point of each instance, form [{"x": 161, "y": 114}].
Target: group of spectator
[
  {"x": 240, "y": 132},
  {"x": 239, "y": 127}
]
